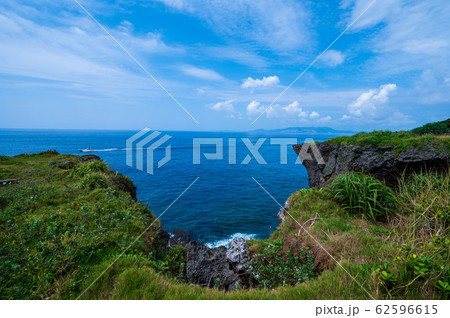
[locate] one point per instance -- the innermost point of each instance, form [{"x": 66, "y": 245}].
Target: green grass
[
  {"x": 399, "y": 140},
  {"x": 364, "y": 195},
  {"x": 422, "y": 230},
  {"x": 436, "y": 126},
  {"x": 272, "y": 269},
  {"x": 59, "y": 234},
  {"x": 52, "y": 224}
]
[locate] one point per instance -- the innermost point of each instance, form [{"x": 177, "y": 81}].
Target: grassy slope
[
  {"x": 54, "y": 227},
  {"x": 135, "y": 278},
  {"x": 400, "y": 140},
  {"x": 60, "y": 234}
]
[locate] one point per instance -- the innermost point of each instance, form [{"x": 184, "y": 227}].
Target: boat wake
[{"x": 102, "y": 150}]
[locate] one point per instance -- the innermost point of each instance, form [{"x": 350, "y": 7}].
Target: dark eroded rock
[
  {"x": 125, "y": 184},
  {"x": 62, "y": 164},
  {"x": 86, "y": 158},
  {"x": 209, "y": 267},
  {"x": 384, "y": 163},
  {"x": 180, "y": 237}
]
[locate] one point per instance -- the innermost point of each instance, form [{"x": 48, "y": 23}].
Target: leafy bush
[
  {"x": 427, "y": 265},
  {"x": 423, "y": 227},
  {"x": 437, "y": 126},
  {"x": 270, "y": 269},
  {"x": 364, "y": 195},
  {"x": 171, "y": 262}
]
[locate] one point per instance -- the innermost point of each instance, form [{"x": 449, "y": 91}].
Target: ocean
[{"x": 224, "y": 203}]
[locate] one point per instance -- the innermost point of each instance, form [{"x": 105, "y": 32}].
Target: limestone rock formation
[
  {"x": 385, "y": 163},
  {"x": 209, "y": 267}
]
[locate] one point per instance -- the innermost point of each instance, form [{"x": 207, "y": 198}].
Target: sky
[{"x": 224, "y": 64}]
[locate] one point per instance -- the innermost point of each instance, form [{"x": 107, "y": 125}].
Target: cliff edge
[{"x": 383, "y": 162}]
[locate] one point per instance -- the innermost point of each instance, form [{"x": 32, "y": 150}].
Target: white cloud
[
  {"x": 407, "y": 37},
  {"x": 279, "y": 25},
  {"x": 202, "y": 73},
  {"x": 345, "y": 117},
  {"x": 226, "y": 106},
  {"x": 73, "y": 51},
  {"x": 254, "y": 108},
  {"x": 314, "y": 115},
  {"x": 411, "y": 27},
  {"x": 333, "y": 58},
  {"x": 324, "y": 119},
  {"x": 398, "y": 118},
  {"x": 264, "y": 82},
  {"x": 126, "y": 26},
  {"x": 294, "y": 109},
  {"x": 244, "y": 56},
  {"x": 433, "y": 86},
  {"x": 368, "y": 102}
]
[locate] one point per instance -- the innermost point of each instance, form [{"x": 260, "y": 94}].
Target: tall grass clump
[
  {"x": 422, "y": 230},
  {"x": 93, "y": 181},
  {"x": 425, "y": 199},
  {"x": 361, "y": 194},
  {"x": 86, "y": 168}
]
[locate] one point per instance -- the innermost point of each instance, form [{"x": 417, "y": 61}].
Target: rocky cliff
[
  {"x": 386, "y": 163},
  {"x": 220, "y": 267}
]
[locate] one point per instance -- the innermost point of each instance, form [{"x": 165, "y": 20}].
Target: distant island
[
  {"x": 73, "y": 228},
  {"x": 302, "y": 131}
]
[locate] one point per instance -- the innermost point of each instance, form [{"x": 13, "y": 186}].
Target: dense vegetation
[
  {"x": 63, "y": 224},
  {"x": 59, "y": 220},
  {"x": 437, "y": 126},
  {"x": 272, "y": 269},
  {"x": 364, "y": 195},
  {"x": 400, "y": 140}
]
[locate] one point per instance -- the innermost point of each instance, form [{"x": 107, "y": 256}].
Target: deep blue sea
[{"x": 224, "y": 203}]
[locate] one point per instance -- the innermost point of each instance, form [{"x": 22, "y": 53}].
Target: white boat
[{"x": 88, "y": 149}]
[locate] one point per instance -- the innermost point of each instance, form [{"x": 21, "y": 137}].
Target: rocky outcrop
[
  {"x": 237, "y": 255},
  {"x": 160, "y": 241},
  {"x": 209, "y": 266},
  {"x": 386, "y": 163},
  {"x": 87, "y": 158},
  {"x": 283, "y": 212},
  {"x": 122, "y": 183},
  {"x": 180, "y": 237},
  {"x": 220, "y": 267}
]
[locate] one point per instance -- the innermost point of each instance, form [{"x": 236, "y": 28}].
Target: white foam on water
[
  {"x": 102, "y": 150},
  {"x": 226, "y": 241}
]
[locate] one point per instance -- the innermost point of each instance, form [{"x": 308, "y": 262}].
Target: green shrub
[
  {"x": 88, "y": 167},
  {"x": 270, "y": 269},
  {"x": 93, "y": 181},
  {"x": 440, "y": 125},
  {"x": 427, "y": 265},
  {"x": 361, "y": 194},
  {"x": 400, "y": 140},
  {"x": 171, "y": 262}
]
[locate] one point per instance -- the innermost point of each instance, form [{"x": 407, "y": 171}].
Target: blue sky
[{"x": 225, "y": 62}]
